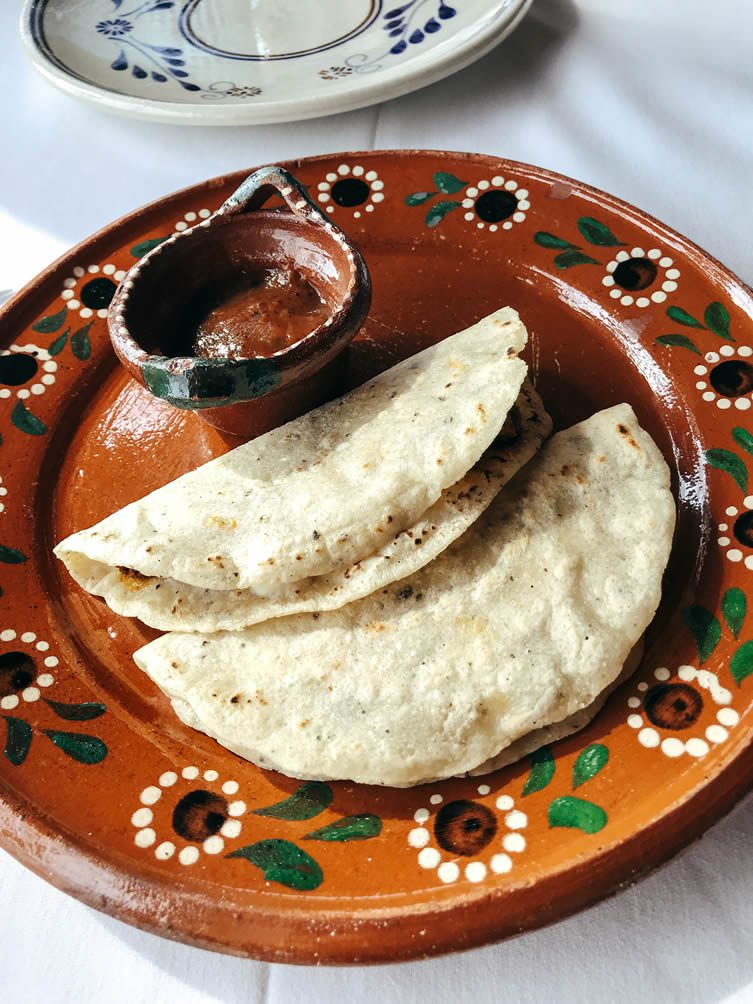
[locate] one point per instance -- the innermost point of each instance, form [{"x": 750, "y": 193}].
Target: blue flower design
[
  {"x": 116, "y": 28},
  {"x": 409, "y": 24},
  {"x": 161, "y": 63}
]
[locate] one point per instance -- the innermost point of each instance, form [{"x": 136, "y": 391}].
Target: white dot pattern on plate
[
  {"x": 694, "y": 746},
  {"x": 649, "y": 738},
  {"x": 429, "y": 857},
  {"x": 475, "y": 871},
  {"x": 501, "y": 864},
  {"x": 418, "y": 837},
  {"x": 165, "y": 850},
  {"x": 728, "y": 717},
  {"x": 514, "y": 842},
  {"x": 142, "y": 817},
  {"x": 188, "y": 855},
  {"x": 448, "y": 871},
  {"x": 516, "y": 820}
]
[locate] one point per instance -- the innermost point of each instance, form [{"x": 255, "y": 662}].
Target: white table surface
[{"x": 651, "y": 100}]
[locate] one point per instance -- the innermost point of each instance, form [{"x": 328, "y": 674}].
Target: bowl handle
[{"x": 259, "y": 186}]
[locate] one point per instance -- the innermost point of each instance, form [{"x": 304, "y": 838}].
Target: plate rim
[
  {"x": 49, "y": 850},
  {"x": 405, "y": 78}
]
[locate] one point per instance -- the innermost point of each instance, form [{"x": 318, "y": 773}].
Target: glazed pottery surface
[
  {"x": 104, "y": 791},
  {"x": 236, "y": 63},
  {"x": 153, "y": 312}
]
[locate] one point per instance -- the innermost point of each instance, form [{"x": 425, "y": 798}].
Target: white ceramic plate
[{"x": 241, "y": 62}]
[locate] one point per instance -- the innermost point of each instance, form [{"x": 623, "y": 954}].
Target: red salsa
[{"x": 258, "y": 316}]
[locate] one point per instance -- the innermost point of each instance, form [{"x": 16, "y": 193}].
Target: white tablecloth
[{"x": 651, "y": 100}]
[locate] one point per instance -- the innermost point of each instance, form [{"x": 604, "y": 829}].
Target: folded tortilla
[
  {"x": 549, "y": 734},
  {"x": 169, "y": 605},
  {"x": 520, "y": 624},
  {"x": 325, "y": 491}
]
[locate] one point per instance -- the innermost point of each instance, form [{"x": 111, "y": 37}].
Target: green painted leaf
[
  {"x": 589, "y": 763},
  {"x": 569, "y": 258},
  {"x": 546, "y": 240},
  {"x": 309, "y": 800},
  {"x": 597, "y": 232},
  {"x": 80, "y": 344},
  {"x": 23, "y": 419},
  {"x": 577, "y": 813},
  {"x": 361, "y": 827},
  {"x": 743, "y": 438},
  {"x": 725, "y": 460},
  {"x": 680, "y": 316},
  {"x": 10, "y": 556},
  {"x": 77, "y": 712},
  {"x": 741, "y": 663},
  {"x": 78, "y": 745},
  {"x": 284, "y": 862},
  {"x": 142, "y": 248},
  {"x": 17, "y": 739},
  {"x": 51, "y": 323},
  {"x": 717, "y": 320},
  {"x": 438, "y": 212},
  {"x": 542, "y": 770},
  {"x": 734, "y": 608},
  {"x": 705, "y": 629},
  {"x": 59, "y": 344},
  {"x": 448, "y": 184},
  {"x": 418, "y": 198},
  {"x": 678, "y": 341}
]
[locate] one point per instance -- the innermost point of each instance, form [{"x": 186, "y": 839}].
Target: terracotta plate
[{"x": 106, "y": 794}]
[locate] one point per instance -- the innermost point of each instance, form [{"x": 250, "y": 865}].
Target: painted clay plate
[
  {"x": 106, "y": 794},
  {"x": 197, "y": 61}
]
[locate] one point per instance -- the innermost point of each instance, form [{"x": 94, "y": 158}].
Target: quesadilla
[
  {"x": 319, "y": 494},
  {"x": 170, "y": 605},
  {"x": 521, "y": 623}
]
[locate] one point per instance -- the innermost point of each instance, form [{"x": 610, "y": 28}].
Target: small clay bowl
[{"x": 152, "y": 308}]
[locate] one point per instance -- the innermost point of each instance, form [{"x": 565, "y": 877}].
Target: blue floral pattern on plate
[{"x": 160, "y": 58}]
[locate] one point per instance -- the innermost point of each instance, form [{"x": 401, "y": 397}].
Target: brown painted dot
[
  {"x": 199, "y": 814},
  {"x": 464, "y": 827},
  {"x": 743, "y": 528},
  {"x": 17, "y": 671},
  {"x": 17, "y": 368},
  {"x": 673, "y": 706},
  {"x": 635, "y": 273},
  {"x": 732, "y": 378},
  {"x": 495, "y": 205}
]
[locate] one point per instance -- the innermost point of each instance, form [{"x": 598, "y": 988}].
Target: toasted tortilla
[
  {"x": 174, "y": 606},
  {"x": 520, "y": 624},
  {"x": 560, "y": 730},
  {"x": 328, "y": 489}
]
